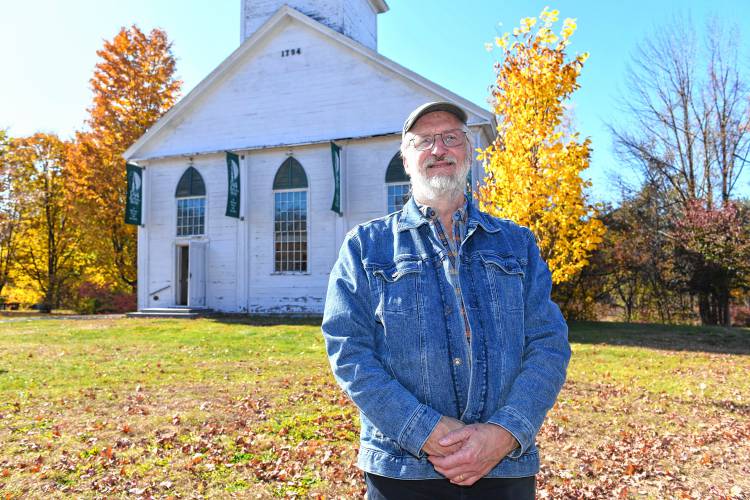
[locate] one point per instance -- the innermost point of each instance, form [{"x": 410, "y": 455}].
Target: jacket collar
[{"x": 411, "y": 217}]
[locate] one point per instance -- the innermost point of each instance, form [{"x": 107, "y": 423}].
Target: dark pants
[{"x": 386, "y": 488}]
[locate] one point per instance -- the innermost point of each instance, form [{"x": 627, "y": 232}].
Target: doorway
[{"x": 183, "y": 273}]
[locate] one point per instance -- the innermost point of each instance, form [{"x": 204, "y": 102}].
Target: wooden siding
[
  {"x": 240, "y": 257},
  {"x": 328, "y": 91}
]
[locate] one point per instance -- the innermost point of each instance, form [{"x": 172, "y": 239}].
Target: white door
[{"x": 197, "y": 274}]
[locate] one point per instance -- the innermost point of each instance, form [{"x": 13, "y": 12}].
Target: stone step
[
  {"x": 178, "y": 309},
  {"x": 170, "y": 312},
  {"x": 140, "y": 314}
]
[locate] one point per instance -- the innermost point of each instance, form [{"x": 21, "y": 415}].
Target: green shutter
[{"x": 290, "y": 175}]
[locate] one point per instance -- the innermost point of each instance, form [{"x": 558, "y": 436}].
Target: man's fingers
[
  {"x": 443, "y": 463},
  {"x": 451, "y": 464},
  {"x": 465, "y": 480},
  {"x": 455, "y": 437},
  {"x": 434, "y": 452},
  {"x": 451, "y": 449},
  {"x": 457, "y": 472}
]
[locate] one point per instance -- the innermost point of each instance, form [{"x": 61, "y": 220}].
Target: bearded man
[{"x": 439, "y": 325}]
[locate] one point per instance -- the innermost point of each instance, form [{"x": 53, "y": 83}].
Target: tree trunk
[
  {"x": 722, "y": 304},
  {"x": 704, "y": 309}
]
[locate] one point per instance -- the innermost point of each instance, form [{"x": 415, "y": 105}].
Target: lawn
[{"x": 220, "y": 408}]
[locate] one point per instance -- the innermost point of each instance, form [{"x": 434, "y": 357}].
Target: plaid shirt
[{"x": 452, "y": 246}]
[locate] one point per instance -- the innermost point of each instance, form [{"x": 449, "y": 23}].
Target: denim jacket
[{"x": 397, "y": 345}]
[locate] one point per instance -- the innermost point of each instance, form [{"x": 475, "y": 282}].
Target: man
[{"x": 439, "y": 325}]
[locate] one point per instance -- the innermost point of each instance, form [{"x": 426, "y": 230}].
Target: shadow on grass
[
  {"x": 654, "y": 336},
  {"x": 732, "y": 406},
  {"x": 713, "y": 339},
  {"x": 266, "y": 320}
]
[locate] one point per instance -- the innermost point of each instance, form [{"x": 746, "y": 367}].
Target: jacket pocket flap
[
  {"x": 395, "y": 271},
  {"x": 508, "y": 263}
]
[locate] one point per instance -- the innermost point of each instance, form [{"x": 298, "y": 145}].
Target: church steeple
[{"x": 356, "y": 19}]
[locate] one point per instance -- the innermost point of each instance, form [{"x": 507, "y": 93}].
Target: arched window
[
  {"x": 398, "y": 184},
  {"x": 290, "y": 217},
  {"x": 191, "y": 204}
]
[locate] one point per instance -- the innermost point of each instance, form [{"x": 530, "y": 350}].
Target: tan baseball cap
[{"x": 430, "y": 107}]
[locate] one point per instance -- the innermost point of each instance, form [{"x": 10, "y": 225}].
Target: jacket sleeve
[
  {"x": 545, "y": 357},
  {"x": 349, "y": 330}
]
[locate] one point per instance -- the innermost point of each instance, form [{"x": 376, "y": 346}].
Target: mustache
[{"x": 432, "y": 160}]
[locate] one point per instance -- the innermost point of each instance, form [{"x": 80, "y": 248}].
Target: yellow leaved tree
[
  {"x": 533, "y": 168},
  {"x": 49, "y": 258}
]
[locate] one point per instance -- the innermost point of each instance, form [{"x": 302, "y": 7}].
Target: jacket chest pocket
[
  {"x": 505, "y": 277},
  {"x": 398, "y": 285}
]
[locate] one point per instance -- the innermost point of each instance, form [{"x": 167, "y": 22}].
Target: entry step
[{"x": 171, "y": 312}]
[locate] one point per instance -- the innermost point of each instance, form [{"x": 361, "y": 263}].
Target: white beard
[{"x": 437, "y": 187}]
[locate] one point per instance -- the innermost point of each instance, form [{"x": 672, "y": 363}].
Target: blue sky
[{"x": 49, "y": 51}]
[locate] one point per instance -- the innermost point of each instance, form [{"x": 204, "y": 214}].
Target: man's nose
[{"x": 438, "y": 148}]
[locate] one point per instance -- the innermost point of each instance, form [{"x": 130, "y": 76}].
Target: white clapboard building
[{"x": 306, "y": 75}]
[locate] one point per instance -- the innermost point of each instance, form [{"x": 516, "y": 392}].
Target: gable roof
[{"x": 285, "y": 15}]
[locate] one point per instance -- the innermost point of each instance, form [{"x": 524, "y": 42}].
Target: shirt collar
[
  {"x": 430, "y": 214},
  {"x": 411, "y": 217}
]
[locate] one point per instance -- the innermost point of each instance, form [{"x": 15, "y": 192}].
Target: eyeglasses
[{"x": 450, "y": 138}]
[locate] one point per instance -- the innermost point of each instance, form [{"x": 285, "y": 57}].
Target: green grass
[{"x": 223, "y": 407}]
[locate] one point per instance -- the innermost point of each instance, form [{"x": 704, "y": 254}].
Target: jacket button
[{"x": 457, "y": 361}]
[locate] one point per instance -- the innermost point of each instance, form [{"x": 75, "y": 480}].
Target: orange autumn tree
[
  {"x": 133, "y": 86},
  {"x": 533, "y": 168}
]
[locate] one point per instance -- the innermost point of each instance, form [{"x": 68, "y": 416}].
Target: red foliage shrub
[
  {"x": 740, "y": 315},
  {"x": 96, "y": 299}
]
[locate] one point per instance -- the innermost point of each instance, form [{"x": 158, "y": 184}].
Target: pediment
[{"x": 294, "y": 81}]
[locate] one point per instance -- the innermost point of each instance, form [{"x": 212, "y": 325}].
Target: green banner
[
  {"x": 135, "y": 194},
  {"x": 233, "y": 186},
  {"x": 336, "y": 160}
]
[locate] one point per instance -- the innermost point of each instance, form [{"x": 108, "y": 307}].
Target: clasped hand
[{"x": 466, "y": 453}]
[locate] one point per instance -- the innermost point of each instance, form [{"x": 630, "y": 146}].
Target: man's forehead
[{"x": 436, "y": 120}]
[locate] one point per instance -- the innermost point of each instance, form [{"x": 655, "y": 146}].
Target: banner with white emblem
[
  {"x": 233, "y": 186},
  {"x": 336, "y": 161},
  {"x": 135, "y": 194}
]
